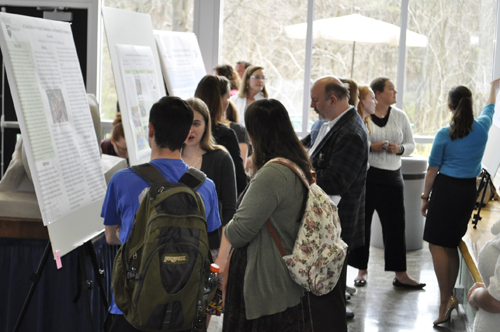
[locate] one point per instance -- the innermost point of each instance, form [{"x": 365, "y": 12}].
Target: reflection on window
[
  {"x": 460, "y": 52},
  {"x": 169, "y": 15}
]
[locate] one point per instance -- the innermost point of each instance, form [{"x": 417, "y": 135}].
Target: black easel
[
  {"x": 83, "y": 282},
  {"x": 485, "y": 181}
]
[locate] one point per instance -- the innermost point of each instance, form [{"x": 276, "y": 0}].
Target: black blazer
[{"x": 340, "y": 161}]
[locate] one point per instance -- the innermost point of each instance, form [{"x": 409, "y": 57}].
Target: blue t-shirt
[
  {"x": 462, "y": 157},
  {"x": 122, "y": 199}
]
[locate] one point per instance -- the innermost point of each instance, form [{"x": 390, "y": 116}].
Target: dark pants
[
  {"x": 120, "y": 324},
  {"x": 388, "y": 201},
  {"x": 328, "y": 311}
]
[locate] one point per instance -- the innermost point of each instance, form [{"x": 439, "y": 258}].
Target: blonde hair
[
  {"x": 363, "y": 92},
  {"x": 207, "y": 142},
  {"x": 242, "y": 92}
]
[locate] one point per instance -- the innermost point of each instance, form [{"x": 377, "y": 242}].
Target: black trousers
[
  {"x": 388, "y": 201},
  {"x": 328, "y": 311}
]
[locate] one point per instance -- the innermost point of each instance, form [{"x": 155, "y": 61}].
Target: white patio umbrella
[{"x": 356, "y": 28}]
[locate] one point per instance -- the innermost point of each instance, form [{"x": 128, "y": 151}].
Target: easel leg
[{"x": 35, "y": 277}]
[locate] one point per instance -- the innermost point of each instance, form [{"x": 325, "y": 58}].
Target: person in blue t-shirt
[
  {"x": 454, "y": 164},
  {"x": 170, "y": 121}
]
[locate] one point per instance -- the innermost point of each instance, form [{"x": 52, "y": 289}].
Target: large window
[
  {"x": 253, "y": 30},
  {"x": 460, "y": 52},
  {"x": 170, "y": 15},
  {"x": 370, "y": 61}
]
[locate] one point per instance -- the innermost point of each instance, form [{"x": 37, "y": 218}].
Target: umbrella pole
[{"x": 352, "y": 61}]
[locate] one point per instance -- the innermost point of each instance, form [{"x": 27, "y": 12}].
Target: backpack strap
[
  {"x": 149, "y": 173},
  {"x": 193, "y": 178}
]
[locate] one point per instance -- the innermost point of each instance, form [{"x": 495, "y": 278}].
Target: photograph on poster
[{"x": 57, "y": 106}]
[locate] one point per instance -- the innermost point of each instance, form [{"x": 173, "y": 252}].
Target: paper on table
[
  {"x": 141, "y": 92},
  {"x": 181, "y": 61},
  {"x": 53, "y": 113}
]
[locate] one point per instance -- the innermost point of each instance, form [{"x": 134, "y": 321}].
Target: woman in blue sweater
[{"x": 454, "y": 164}]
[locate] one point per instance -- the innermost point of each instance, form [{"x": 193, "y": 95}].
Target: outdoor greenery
[{"x": 460, "y": 48}]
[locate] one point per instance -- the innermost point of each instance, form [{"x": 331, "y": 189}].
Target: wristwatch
[{"x": 424, "y": 197}]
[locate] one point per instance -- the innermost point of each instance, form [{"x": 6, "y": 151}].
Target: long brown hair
[
  {"x": 207, "y": 142},
  {"x": 460, "y": 100},
  {"x": 232, "y": 112},
  {"x": 211, "y": 89},
  {"x": 272, "y": 135}
]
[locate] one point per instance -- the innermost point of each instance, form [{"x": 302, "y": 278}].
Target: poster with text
[
  {"x": 54, "y": 116},
  {"x": 141, "y": 91},
  {"x": 181, "y": 62}
]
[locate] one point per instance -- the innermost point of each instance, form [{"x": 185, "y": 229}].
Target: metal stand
[{"x": 485, "y": 181}]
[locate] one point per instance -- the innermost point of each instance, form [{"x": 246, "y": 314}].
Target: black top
[
  {"x": 218, "y": 166},
  {"x": 381, "y": 122},
  {"x": 225, "y": 136},
  {"x": 240, "y": 131},
  {"x": 108, "y": 148}
]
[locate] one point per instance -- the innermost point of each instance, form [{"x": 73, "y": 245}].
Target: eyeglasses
[{"x": 257, "y": 77}]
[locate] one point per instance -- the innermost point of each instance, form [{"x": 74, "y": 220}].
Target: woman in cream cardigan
[{"x": 390, "y": 138}]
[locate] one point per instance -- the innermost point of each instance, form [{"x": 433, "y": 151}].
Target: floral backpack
[{"x": 318, "y": 253}]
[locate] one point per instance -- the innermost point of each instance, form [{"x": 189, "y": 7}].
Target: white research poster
[
  {"x": 53, "y": 113},
  {"x": 181, "y": 62},
  {"x": 141, "y": 88}
]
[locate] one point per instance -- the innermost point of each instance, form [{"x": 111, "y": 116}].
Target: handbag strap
[
  {"x": 294, "y": 167},
  {"x": 274, "y": 235}
]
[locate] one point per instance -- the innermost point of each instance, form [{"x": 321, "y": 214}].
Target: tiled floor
[{"x": 378, "y": 307}]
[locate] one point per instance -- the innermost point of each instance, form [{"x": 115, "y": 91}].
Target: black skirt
[
  {"x": 449, "y": 210},
  {"x": 294, "y": 319}
]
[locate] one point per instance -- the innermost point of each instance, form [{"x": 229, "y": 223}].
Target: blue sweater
[{"x": 462, "y": 157}]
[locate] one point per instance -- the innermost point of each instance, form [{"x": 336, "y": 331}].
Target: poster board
[
  {"x": 491, "y": 157},
  {"x": 137, "y": 73},
  {"x": 56, "y": 125},
  {"x": 181, "y": 62}
]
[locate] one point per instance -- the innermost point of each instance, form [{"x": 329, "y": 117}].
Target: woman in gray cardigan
[{"x": 260, "y": 294}]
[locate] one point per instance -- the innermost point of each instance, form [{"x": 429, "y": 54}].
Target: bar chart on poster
[{"x": 56, "y": 126}]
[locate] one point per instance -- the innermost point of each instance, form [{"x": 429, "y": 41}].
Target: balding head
[{"x": 329, "y": 97}]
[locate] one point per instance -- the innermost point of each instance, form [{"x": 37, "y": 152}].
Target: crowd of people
[{"x": 230, "y": 130}]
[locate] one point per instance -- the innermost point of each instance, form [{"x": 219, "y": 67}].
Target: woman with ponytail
[{"x": 450, "y": 187}]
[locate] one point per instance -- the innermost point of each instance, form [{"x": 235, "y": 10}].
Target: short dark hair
[
  {"x": 228, "y": 72},
  {"x": 244, "y": 63},
  {"x": 211, "y": 89},
  {"x": 269, "y": 126},
  {"x": 378, "y": 84},
  {"x": 339, "y": 90},
  {"x": 171, "y": 118}
]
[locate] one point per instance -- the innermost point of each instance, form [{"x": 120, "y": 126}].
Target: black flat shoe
[
  {"x": 349, "y": 315},
  {"x": 398, "y": 284},
  {"x": 359, "y": 283}
]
